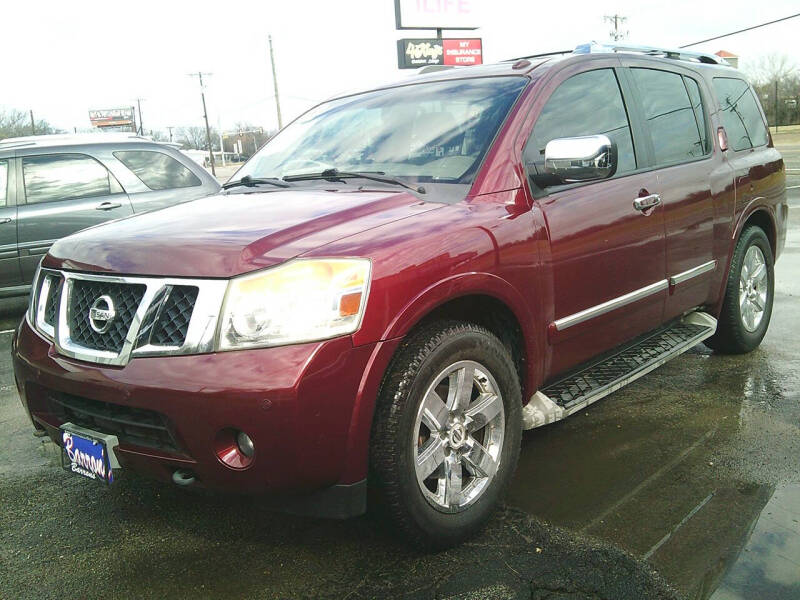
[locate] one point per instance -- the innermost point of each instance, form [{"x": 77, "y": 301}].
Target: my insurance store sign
[{"x": 420, "y": 52}]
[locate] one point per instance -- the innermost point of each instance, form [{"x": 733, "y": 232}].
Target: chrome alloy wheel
[
  {"x": 458, "y": 436},
  {"x": 753, "y": 288}
]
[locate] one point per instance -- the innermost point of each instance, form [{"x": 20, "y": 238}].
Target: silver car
[{"x": 54, "y": 185}]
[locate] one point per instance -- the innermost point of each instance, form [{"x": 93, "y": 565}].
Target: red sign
[{"x": 463, "y": 52}]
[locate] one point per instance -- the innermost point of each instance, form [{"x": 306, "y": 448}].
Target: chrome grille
[
  {"x": 51, "y": 303},
  {"x": 152, "y": 316},
  {"x": 126, "y": 297},
  {"x": 173, "y": 322}
]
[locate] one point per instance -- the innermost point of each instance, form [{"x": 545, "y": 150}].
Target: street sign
[
  {"x": 413, "y": 53},
  {"x": 437, "y": 14}
]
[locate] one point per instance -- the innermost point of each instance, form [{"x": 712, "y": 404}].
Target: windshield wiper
[
  {"x": 334, "y": 174},
  {"x": 254, "y": 181}
]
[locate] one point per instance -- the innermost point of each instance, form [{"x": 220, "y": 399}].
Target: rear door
[
  {"x": 165, "y": 179},
  {"x": 607, "y": 257},
  {"x": 691, "y": 179},
  {"x": 9, "y": 255},
  {"x": 63, "y": 193}
]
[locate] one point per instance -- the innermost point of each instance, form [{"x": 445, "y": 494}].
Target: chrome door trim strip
[
  {"x": 693, "y": 272},
  {"x": 605, "y": 307}
]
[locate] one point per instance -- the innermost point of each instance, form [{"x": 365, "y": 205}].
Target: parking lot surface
[{"x": 690, "y": 472}]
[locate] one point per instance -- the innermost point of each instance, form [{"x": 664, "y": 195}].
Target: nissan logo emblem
[{"x": 102, "y": 314}]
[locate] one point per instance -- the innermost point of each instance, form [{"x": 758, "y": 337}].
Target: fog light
[
  {"x": 245, "y": 444},
  {"x": 234, "y": 448}
]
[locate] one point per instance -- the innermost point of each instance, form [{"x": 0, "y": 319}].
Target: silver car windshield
[{"x": 428, "y": 132}]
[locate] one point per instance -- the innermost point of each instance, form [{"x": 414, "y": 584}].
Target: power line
[{"x": 711, "y": 39}]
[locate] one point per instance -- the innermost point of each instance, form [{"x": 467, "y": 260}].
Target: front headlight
[{"x": 302, "y": 301}]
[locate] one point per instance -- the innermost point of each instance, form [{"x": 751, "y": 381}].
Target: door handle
[
  {"x": 108, "y": 206},
  {"x": 646, "y": 202},
  {"x": 5, "y": 220}
]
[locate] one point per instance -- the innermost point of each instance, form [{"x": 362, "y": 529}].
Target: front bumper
[{"x": 295, "y": 402}]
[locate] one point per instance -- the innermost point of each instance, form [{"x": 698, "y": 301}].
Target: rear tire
[
  {"x": 446, "y": 433},
  {"x": 747, "y": 307}
]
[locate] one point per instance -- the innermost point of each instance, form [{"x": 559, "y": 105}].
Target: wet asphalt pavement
[{"x": 684, "y": 484}]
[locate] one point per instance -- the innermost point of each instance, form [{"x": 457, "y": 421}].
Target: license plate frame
[{"x": 88, "y": 453}]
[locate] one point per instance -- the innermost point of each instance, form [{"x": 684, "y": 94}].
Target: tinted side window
[
  {"x": 65, "y": 177},
  {"x": 585, "y": 104},
  {"x": 699, "y": 112},
  {"x": 156, "y": 170},
  {"x": 669, "y": 115},
  {"x": 3, "y": 181},
  {"x": 740, "y": 114}
]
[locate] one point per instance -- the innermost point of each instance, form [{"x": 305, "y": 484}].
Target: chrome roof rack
[
  {"x": 72, "y": 139},
  {"x": 677, "y": 54}
]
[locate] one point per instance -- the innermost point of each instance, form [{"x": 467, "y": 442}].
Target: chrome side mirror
[{"x": 581, "y": 158}]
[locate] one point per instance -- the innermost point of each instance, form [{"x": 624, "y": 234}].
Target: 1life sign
[
  {"x": 437, "y": 14},
  {"x": 413, "y": 53}
]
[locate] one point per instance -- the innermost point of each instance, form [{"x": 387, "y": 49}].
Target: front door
[
  {"x": 63, "y": 193},
  {"x": 607, "y": 249}
]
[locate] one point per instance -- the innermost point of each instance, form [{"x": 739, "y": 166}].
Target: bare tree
[
  {"x": 17, "y": 123},
  {"x": 777, "y": 74},
  {"x": 194, "y": 138},
  {"x": 770, "y": 68}
]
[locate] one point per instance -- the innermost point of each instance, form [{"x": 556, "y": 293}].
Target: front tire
[
  {"x": 446, "y": 433},
  {"x": 747, "y": 307}
]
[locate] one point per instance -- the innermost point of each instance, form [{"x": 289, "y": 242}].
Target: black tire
[
  {"x": 422, "y": 357},
  {"x": 732, "y": 337}
]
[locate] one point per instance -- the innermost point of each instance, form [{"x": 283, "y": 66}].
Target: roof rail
[
  {"x": 542, "y": 55},
  {"x": 702, "y": 57}
]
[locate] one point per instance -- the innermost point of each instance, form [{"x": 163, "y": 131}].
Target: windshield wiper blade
[
  {"x": 254, "y": 181},
  {"x": 333, "y": 174}
]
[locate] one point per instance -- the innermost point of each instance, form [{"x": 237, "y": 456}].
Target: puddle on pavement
[{"x": 690, "y": 468}]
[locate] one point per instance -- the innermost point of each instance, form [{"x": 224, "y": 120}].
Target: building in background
[{"x": 732, "y": 59}]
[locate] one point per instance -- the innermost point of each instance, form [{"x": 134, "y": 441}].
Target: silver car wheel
[
  {"x": 458, "y": 436},
  {"x": 753, "y": 288}
]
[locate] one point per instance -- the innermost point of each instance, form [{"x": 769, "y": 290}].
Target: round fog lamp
[{"x": 245, "y": 444}]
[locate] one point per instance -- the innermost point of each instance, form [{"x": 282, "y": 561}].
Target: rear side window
[
  {"x": 3, "y": 182},
  {"x": 157, "y": 170},
  {"x": 699, "y": 112},
  {"x": 54, "y": 177},
  {"x": 741, "y": 116},
  {"x": 670, "y": 116},
  {"x": 588, "y": 103}
]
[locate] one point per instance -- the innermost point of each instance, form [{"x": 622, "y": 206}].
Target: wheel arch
[{"x": 462, "y": 297}]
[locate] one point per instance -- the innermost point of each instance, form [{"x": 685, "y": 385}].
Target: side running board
[{"x": 580, "y": 388}]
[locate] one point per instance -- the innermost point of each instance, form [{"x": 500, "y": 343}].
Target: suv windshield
[{"x": 429, "y": 132}]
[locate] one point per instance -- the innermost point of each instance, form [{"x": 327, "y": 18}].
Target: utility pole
[
  {"x": 141, "y": 126},
  {"x": 221, "y": 141},
  {"x": 617, "y": 20},
  {"x": 776, "y": 106},
  {"x": 170, "y": 132},
  {"x": 205, "y": 116},
  {"x": 275, "y": 83},
  {"x": 33, "y": 124}
]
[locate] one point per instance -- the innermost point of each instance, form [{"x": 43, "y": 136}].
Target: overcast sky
[{"x": 62, "y": 58}]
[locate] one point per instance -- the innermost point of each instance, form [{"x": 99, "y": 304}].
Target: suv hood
[{"x": 226, "y": 235}]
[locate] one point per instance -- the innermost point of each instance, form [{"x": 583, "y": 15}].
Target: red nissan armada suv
[{"x": 403, "y": 280}]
